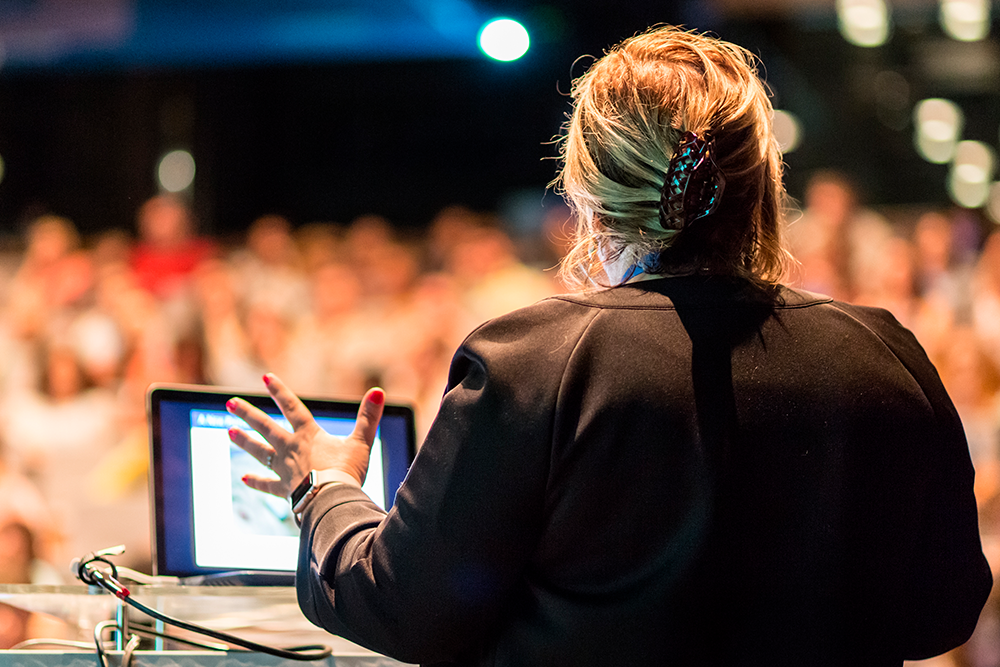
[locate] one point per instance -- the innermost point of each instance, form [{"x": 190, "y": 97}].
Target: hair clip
[{"x": 693, "y": 185}]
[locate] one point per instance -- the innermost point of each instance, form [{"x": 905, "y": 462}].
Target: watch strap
[{"x": 311, "y": 485}]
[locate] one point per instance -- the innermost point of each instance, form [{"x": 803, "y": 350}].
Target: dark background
[{"x": 359, "y": 108}]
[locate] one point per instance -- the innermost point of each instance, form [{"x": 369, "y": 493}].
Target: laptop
[{"x": 208, "y": 527}]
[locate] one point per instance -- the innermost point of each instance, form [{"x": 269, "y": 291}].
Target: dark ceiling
[
  {"x": 123, "y": 34},
  {"x": 324, "y": 110}
]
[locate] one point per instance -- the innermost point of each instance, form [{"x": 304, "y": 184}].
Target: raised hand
[{"x": 291, "y": 455}]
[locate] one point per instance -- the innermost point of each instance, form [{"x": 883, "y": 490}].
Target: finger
[
  {"x": 259, "y": 421},
  {"x": 369, "y": 415},
  {"x": 266, "y": 484},
  {"x": 295, "y": 411},
  {"x": 251, "y": 445}
]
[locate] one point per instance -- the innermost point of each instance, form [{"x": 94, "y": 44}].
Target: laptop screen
[{"x": 205, "y": 519}]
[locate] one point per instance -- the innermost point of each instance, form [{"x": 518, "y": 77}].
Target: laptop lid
[{"x": 205, "y": 520}]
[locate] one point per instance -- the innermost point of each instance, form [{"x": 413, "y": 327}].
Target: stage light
[
  {"x": 937, "y": 127},
  {"x": 176, "y": 171},
  {"x": 504, "y": 39},
  {"x": 971, "y": 173},
  {"x": 965, "y": 20},
  {"x": 863, "y": 22},
  {"x": 787, "y": 130}
]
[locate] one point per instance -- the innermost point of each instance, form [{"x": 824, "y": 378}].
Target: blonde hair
[{"x": 630, "y": 109}]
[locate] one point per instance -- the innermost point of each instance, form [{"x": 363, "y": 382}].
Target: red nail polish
[
  {"x": 245, "y": 478},
  {"x": 231, "y": 404},
  {"x": 378, "y": 397},
  {"x": 267, "y": 379}
]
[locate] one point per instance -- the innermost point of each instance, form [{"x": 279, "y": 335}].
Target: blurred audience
[
  {"x": 28, "y": 545},
  {"x": 835, "y": 238},
  {"x": 168, "y": 250},
  {"x": 89, "y": 324}
]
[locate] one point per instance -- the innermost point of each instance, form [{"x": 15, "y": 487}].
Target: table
[{"x": 265, "y": 614}]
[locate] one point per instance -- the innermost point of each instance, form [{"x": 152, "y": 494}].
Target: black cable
[
  {"x": 310, "y": 652},
  {"x": 91, "y": 575},
  {"x": 149, "y": 632},
  {"x": 83, "y": 574}
]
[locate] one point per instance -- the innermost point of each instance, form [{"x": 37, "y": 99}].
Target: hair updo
[{"x": 630, "y": 110}]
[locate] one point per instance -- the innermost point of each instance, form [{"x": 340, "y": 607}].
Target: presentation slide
[{"x": 235, "y": 526}]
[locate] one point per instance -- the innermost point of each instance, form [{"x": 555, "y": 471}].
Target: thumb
[{"x": 369, "y": 415}]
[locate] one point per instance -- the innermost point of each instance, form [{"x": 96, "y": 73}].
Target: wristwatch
[{"x": 308, "y": 488}]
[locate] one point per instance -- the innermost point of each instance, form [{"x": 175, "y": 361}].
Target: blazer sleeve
[
  {"x": 427, "y": 581},
  {"x": 948, "y": 578}
]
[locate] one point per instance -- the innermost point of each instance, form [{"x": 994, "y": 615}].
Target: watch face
[{"x": 301, "y": 490}]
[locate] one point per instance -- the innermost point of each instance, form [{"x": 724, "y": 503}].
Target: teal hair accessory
[{"x": 694, "y": 183}]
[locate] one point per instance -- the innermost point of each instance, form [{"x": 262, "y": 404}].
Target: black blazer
[{"x": 678, "y": 471}]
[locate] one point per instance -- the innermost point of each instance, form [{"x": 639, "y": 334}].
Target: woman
[{"x": 689, "y": 464}]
